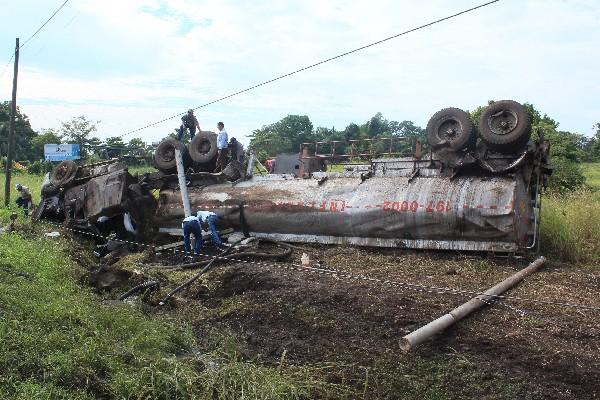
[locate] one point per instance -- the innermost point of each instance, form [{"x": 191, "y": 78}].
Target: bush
[
  {"x": 40, "y": 167},
  {"x": 566, "y": 176},
  {"x": 570, "y": 226}
]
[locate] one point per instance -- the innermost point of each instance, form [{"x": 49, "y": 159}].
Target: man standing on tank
[
  {"x": 222, "y": 142},
  {"x": 188, "y": 121}
]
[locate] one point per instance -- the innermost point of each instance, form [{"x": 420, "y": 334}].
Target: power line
[
  {"x": 319, "y": 63},
  {"x": 6, "y": 66},
  {"x": 44, "y": 24},
  {"x": 33, "y": 35}
]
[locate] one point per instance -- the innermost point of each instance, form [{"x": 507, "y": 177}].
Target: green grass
[
  {"x": 33, "y": 182},
  {"x": 58, "y": 341},
  {"x": 570, "y": 226},
  {"x": 592, "y": 175}
]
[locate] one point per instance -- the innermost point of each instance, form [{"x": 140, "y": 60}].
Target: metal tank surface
[{"x": 391, "y": 206}]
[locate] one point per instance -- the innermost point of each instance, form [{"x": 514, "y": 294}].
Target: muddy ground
[{"x": 349, "y": 328}]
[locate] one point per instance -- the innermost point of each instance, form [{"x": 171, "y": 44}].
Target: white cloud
[{"x": 191, "y": 52}]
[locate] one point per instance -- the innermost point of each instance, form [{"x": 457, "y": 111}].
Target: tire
[
  {"x": 64, "y": 173},
  {"x": 164, "y": 156},
  {"x": 452, "y": 129},
  {"x": 49, "y": 190},
  {"x": 203, "y": 147},
  {"x": 505, "y": 126},
  {"x": 234, "y": 170}
]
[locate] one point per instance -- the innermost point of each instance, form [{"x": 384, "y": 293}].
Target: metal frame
[{"x": 353, "y": 148}]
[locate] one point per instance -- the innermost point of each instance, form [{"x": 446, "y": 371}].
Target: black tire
[
  {"x": 49, "y": 190},
  {"x": 234, "y": 170},
  {"x": 164, "y": 156},
  {"x": 452, "y": 129},
  {"x": 505, "y": 126},
  {"x": 64, "y": 173},
  {"x": 203, "y": 147}
]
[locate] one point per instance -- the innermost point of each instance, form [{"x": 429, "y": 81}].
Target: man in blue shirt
[{"x": 222, "y": 140}]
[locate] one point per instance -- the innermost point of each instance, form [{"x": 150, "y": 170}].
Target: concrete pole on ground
[{"x": 417, "y": 337}]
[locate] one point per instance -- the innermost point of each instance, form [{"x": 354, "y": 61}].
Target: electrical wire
[
  {"x": 317, "y": 64},
  {"x": 43, "y": 25},
  {"x": 6, "y": 66},
  {"x": 33, "y": 35}
]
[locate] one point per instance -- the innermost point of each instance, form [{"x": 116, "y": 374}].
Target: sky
[{"x": 129, "y": 63}]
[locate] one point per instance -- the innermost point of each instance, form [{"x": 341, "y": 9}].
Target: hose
[
  {"x": 195, "y": 277},
  {"x": 138, "y": 288}
]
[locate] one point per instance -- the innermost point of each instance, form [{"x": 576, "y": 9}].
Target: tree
[
  {"x": 47, "y": 136},
  {"x": 377, "y": 126},
  {"x": 284, "y": 136},
  {"x": 23, "y": 132},
  {"x": 594, "y": 145},
  {"x": 78, "y": 131},
  {"x": 115, "y": 141},
  {"x": 136, "y": 143}
]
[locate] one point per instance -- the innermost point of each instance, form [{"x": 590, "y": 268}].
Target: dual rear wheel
[{"x": 505, "y": 126}]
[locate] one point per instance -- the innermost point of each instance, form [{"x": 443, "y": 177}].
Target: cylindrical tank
[{"x": 491, "y": 213}]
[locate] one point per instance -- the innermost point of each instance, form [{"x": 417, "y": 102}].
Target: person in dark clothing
[
  {"x": 24, "y": 200},
  {"x": 233, "y": 149},
  {"x": 188, "y": 121}
]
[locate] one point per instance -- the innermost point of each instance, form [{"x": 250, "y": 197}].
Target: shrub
[
  {"x": 40, "y": 167},
  {"x": 570, "y": 226},
  {"x": 566, "y": 176}
]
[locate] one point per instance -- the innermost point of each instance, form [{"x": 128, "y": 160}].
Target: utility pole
[{"x": 11, "y": 128}]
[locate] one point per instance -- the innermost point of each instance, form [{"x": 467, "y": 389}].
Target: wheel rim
[
  {"x": 503, "y": 122},
  {"x": 61, "y": 172},
  {"x": 449, "y": 130},
  {"x": 168, "y": 154},
  {"x": 203, "y": 147}
]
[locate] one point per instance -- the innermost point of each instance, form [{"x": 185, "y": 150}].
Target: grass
[
  {"x": 33, "y": 182},
  {"x": 57, "y": 340},
  {"x": 570, "y": 226},
  {"x": 592, "y": 175}
]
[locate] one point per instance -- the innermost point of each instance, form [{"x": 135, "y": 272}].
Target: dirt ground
[{"x": 350, "y": 328}]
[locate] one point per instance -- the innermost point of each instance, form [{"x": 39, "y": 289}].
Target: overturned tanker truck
[{"x": 473, "y": 189}]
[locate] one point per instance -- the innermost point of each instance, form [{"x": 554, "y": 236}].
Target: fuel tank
[{"x": 399, "y": 203}]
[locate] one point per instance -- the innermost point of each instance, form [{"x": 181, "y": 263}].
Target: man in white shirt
[
  {"x": 210, "y": 218},
  {"x": 193, "y": 225},
  {"x": 222, "y": 141}
]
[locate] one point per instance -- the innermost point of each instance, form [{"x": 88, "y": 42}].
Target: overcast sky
[{"x": 128, "y": 63}]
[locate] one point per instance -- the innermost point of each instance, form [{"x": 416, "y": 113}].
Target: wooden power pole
[{"x": 11, "y": 128}]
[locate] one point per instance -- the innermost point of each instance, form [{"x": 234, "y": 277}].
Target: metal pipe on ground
[
  {"x": 187, "y": 209},
  {"x": 413, "y": 339}
]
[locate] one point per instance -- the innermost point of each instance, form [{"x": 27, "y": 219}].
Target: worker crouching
[
  {"x": 193, "y": 225},
  {"x": 24, "y": 199}
]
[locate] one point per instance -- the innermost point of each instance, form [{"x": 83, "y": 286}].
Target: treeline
[
  {"x": 567, "y": 149},
  {"x": 287, "y": 135},
  {"x": 29, "y": 144}
]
